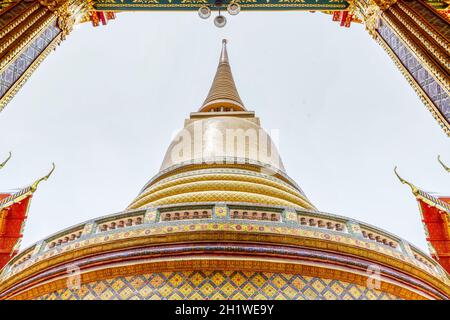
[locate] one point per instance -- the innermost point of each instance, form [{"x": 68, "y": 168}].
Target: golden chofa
[{"x": 222, "y": 222}]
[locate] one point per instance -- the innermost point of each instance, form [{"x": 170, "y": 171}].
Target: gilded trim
[
  {"x": 184, "y": 6},
  {"x": 431, "y": 46},
  {"x": 220, "y": 196},
  {"x": 435, "y": 34},
  {"x": 221, "y": 162},
  {"x": 26, "y": 75},
  {"x": 12, "y": 24},
  {"x": 11, "y": 5},
  {"x": 22, "y": 28},
  {"x": 36, "y": 29},
  {"x": 231, "y": 182},
  {"x": 420, "y": 53},
  {"x": 437, "y": 115}
]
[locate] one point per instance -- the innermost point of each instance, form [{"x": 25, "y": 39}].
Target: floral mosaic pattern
[{"x": 214, "y": 285}]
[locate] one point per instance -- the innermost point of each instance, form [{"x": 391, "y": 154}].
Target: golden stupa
[{"x": 223, "y": 220}]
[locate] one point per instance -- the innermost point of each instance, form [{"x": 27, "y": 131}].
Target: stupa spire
[
  {"x": 223, "y": 94},
  {"x": 224, "y": 53}
]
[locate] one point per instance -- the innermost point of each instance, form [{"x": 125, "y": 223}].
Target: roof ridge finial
[
  {"x": 224, "y": 53},
  {"x": 36, "y": 183},
  {"x": 443, "y": 164},
  {"x": 7, "y": 159},
  {"x": 413, "y": 187}
]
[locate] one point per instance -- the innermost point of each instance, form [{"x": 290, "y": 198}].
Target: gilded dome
[
  {"x": 215, "y": 138},
  {"x": 223, "y": 130}
]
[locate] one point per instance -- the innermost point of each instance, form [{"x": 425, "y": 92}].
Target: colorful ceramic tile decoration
[{"x": 206, "y": 285}]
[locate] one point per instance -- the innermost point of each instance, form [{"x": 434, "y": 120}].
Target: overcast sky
[{"x": 105, "y": 104}]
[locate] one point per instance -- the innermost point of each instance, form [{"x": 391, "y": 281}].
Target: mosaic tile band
[
  {"x": 26, "y": 58},
  {"x": 215, "y": 285},
  {"x": 430, "y": 86}
]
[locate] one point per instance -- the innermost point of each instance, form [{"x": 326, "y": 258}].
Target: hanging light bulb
[
  {"x": 220, "y": 21},
  {"x": 233, "y": 8},
  {"x": 204, "y": 12}
]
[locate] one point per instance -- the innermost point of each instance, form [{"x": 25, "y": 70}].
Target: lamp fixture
[
  {"x": 233, "y": 8},
  {"x": 204, "y": 12},
  {"x": 220, "y": 21}
]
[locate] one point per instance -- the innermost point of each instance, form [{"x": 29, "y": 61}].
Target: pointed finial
[
  {"x": 413, "y": 187},
  {"x": 224, "y": 53},
  {"x": 223, "y": 93},
  {"x": 35, "y": 184},
  {"x": 4, "y": 162},
  {"x": 443, "y": 164}
]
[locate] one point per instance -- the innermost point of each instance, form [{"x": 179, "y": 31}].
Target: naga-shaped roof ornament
[
  {"x": 414, "y": 189},
  {"x": 425, "y": 196},
  {"x": 4, "y": 162},
  {"x": 443, "y": 164},
  {"x": 44, "y": 178},
  {"x": 25, "y": 192}
]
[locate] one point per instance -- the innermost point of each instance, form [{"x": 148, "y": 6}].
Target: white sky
[{"x": 105, "y": 104}]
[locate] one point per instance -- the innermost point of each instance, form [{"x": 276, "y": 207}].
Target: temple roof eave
[
  {"x": 24, "y": 192},
  {"x": 424, "y": 196}
]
